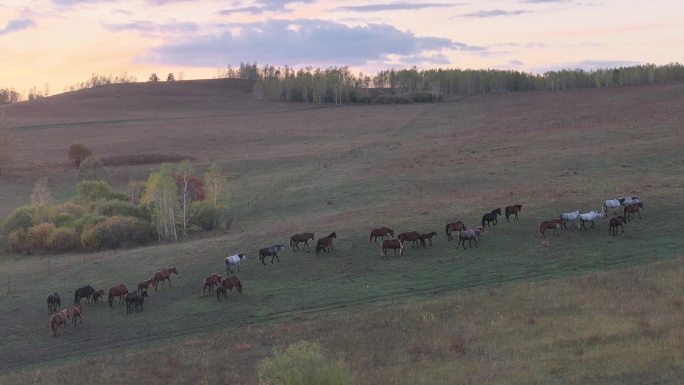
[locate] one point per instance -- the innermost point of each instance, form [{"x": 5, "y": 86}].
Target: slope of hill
[{"x": 299, "y": 167}]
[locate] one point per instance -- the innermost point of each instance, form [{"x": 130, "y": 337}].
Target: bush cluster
[{"x": 115, "y": 232}]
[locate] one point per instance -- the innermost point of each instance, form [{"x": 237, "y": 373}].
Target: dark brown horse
[
  {"x": 142, "y": 286},
  {"x": 296, "y": 239},
  {"x": 57, "y": 319},
  {"x": 428, "y": 236},
  {"x": 490, "y": 217},
  {"x": 210, "y": 281},
  {"x": 163, "y": 275},
  {"x": 117, "y": 291},
  {"x": 513, "y": 210},
  {"x": 553, "y": 224},
  {"x": 381, "y": 232},
  {"x": 98, "y": 295},
  {"x": 631, "y": 209},
  {"x": 454, "y": 226},
  {"x": 53, "y": 302},
  {"x": 325, "y": 243},
  {"x": 614, "y": 223},
  {"x": 391, "y": 244},
  {"x": 228, "y": 284},
  {"x": 412, "y": 236}
]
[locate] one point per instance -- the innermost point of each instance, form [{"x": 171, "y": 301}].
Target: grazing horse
[
  {"x": 53, "y": 302},
  {"x": 490, "y": 217},
  {"x": 233, "y": 261},
  {"x": 221, "y": 292},
  {"x": 610, "y": 204},
  {"x": 454, "y": 226},
  {"x": 631, "y": 209},
  {"x": 571, "y": 217},
  {"x": 117, "y": 291},
  {"x": 86, "y": 292},
  {"x": 628, "y": 200},
  {"x": 76, "y": 312},
  {"x": 412, "y": 236},
  {"x": 513, "y": 210},
  {"x": 142, "y": 286},
  {"x": 272, "y": 251},
  {"x": 163, "y": 275},
  {"x": 553, "y": 224},
  {"x": 210, "y": 281},
  {"x": 468, "y": 235},
  {"x": 614, "y": 223},
  {"x": 428, "y": 236},
  {"x": 381, "y": 232},
  {"x": 325, "y": 243},
  {"x": 591, "y": 216},
  {"x": 57, "y": 319},
  {"x": 228, "y": 284},
  {"x": 134, "y": 301},
  {"x": 296, "y": 239},
  {"x": 98, "y": 295},
  {"x": 391, "y": 244}
]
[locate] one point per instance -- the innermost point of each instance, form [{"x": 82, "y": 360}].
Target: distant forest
[{"x": 339, "y": 85}]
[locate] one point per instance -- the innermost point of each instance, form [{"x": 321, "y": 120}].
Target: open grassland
[
  {"x": 303, "y": 168},
  {"x": 618, "y": 327}
]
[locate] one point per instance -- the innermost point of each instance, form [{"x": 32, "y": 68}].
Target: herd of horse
[{"x": 134, "y": 301}]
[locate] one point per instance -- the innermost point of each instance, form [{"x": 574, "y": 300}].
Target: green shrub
[
  {"x": 88, "y": 219},
  {"x": 303, "y": 363},
  {"x": 20, "y": 219},
  {"x": 208, "y": 217},
  {"x": 18, "y": 241},
  {"x": 39, "y": 235},
  {"x": 117, "y": 231},
  {"x": 111, "y": 208},
  {"x": 61, "y": 240},
  {"x": 91, "y": 191}
]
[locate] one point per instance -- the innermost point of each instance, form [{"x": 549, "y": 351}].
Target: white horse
[
  {"x": 591, "y": 216},
  {"x": 610, "y": 204},
  {"x": 628, "y": 200},
  {"x": 233, "y": 261},
  {"x": 571, "y": 217}
]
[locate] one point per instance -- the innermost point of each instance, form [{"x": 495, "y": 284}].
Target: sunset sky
[{"x": 61, "y": 42}]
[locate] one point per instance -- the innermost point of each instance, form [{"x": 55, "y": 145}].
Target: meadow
[{"x": 298, "y": 167}]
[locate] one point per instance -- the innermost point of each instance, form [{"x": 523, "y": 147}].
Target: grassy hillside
[{"x": 309, "y": 168}]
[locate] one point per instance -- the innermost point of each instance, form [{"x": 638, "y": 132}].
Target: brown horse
[
  {"x": 381, "y": 232},
  {"x": 614, "y": 223},
  {"x": 412, "y": 236},
  {"x": 57, "y": 319},
  {"x": 76, "y": 312},
  {"x": 454, "y": 226},
  {"x": 631, "y": 209},
  {"x": 163, "y": 275},
  {"x": 98, "y": 295},
  {"x": 325, "y": 243},
  {"x": 513, "y": 210},
  {"x": 210, "y": 281},
  {"x": 296, "y": 239},
  {"x": 428, "y": 236},
  {"x": 117, "y": 291},
  {"x": 392, "y": 244},
  {"x": 142, "y": 286},
  {"x": 553, "y": 224},
  {"x": 228, "y": 284}
]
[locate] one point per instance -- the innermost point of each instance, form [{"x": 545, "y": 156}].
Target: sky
[{"x": 53, "y": 44}]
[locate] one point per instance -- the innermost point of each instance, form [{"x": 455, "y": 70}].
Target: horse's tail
[
  {"x": 484, "y": 219},
  {"x": 370, "y": 237},
  {"x": 76, "y": 297},
  {"x": 541, "y": 229},
  {"x": 292, "y": 243},
  {"x": 447, "y": 231}
]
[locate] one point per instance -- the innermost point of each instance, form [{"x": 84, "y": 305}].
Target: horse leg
[{"x": 169, "y": 281}]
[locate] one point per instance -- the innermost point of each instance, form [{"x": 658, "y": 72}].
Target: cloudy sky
[{"x": 61, "y": 42}]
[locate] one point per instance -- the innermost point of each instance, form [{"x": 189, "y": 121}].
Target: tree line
[{"x": 339, "y": 85}]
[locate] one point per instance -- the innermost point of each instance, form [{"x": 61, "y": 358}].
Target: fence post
[
  {"x": 9, "y": 279},
  {"x": 49, "y": 264}
]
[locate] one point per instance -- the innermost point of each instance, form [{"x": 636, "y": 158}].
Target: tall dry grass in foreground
[{"x": 620, "y": 327}]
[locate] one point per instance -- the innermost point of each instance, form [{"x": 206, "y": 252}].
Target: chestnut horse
[
  {"x": 228, "y": 284},
  {"x": 631, "y": 209},
  {"x": 57, "y": 319},
  {"x": 614, "y": 223},
  {"x": 553, "y": 224},
  {"x": 142, "y": 286},
  {"x": 296, "y": 239},
  {"x": 210, "y": 281},
  {"x": 76, "y": 312},
  {"x": 512, "y": 210},
  {"x": 454, "y": 226},
  {"x": 325, "y": 243},
  {"x": 391, "y": 244},
  {"x": 381, "y": 232},
  {"x": 490, "y": 217},
  {"x": 412, "y": 236},
  {"x": 117, "y": 291},
  {"x": 428, "y": 236},
  {"x": 163, "y": 275}
]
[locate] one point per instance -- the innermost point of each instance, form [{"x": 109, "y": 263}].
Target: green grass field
[{"x": 297, "y": 168}]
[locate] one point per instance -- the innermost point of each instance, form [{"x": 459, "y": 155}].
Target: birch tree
[{"x": 161, "y": 196}]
